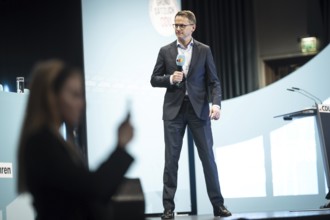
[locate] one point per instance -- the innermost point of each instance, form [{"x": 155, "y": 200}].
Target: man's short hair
[{"x": 188, "y": 14}]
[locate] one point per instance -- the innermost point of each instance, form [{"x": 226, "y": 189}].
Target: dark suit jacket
[
  {"x": 202, "y": 77},
  {"x": 63, "y": 188}
]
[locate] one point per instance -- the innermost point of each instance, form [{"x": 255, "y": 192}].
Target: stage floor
[{"x": 300, "y": 214}]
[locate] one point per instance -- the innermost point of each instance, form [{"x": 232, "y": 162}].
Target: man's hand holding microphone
[{"x": 177, "y": 77}]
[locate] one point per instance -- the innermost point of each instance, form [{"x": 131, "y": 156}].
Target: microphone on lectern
[
  {"x": 306, "y": 94},
  {"x": 180, "y": 60}
]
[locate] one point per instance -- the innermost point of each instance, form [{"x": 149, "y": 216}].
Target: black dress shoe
[
  {"x": 326, "y": 206},
  {"x": 168, "y": 214},
  {"x": 221, "y": 211}
]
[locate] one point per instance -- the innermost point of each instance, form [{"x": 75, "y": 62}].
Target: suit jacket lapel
[
  {"x": 174, "y": 52},
  {"x": 194, "y": 57}
]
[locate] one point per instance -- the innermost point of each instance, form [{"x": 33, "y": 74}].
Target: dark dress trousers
[
  {"x": 180, "y": 110},
  {"x": 62, "y": 186}
]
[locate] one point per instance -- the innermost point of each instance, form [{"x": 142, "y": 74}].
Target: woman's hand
[{"x": 125, "y": 132}]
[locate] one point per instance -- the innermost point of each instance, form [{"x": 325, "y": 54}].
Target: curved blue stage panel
[{"x": 266, "y": 163}]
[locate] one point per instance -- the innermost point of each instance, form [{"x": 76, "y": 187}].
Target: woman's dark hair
[{"x": 47, "y": 80}]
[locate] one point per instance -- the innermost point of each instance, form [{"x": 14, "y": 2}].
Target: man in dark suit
[{"x": 186, "y": 102}]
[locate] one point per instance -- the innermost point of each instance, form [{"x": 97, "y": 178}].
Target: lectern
[{"x": 322, "y": 114}]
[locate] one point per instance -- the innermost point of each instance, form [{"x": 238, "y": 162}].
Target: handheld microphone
[
  {"x": 306, "y": 94},
  {"x": 180, "y": 60}
]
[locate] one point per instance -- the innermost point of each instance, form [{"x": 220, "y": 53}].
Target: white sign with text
[
  {"x": 6, "y": 170},
  {"x": 324, "y": 108}
]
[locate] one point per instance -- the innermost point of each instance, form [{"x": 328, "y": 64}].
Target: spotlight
[{"x": 6, "y": 88}]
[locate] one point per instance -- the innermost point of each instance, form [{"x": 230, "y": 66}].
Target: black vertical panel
[{"x": 192, "y": 172}]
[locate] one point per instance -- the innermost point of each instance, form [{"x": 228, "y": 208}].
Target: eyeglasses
[{"x": 181, "y": 26}]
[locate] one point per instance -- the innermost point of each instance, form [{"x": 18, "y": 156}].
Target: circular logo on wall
[{"x": 162, "y": 14}]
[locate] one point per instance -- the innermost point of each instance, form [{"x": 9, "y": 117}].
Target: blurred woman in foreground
[{"x": 52, "y": 169}]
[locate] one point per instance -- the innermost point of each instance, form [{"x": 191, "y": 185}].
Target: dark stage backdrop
[
  {"x": 36, "y": 30},
  {"x": 318, "y": 20},
  {"x": 325, "y": 7},
  {"x": 227, "y": 26}
]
